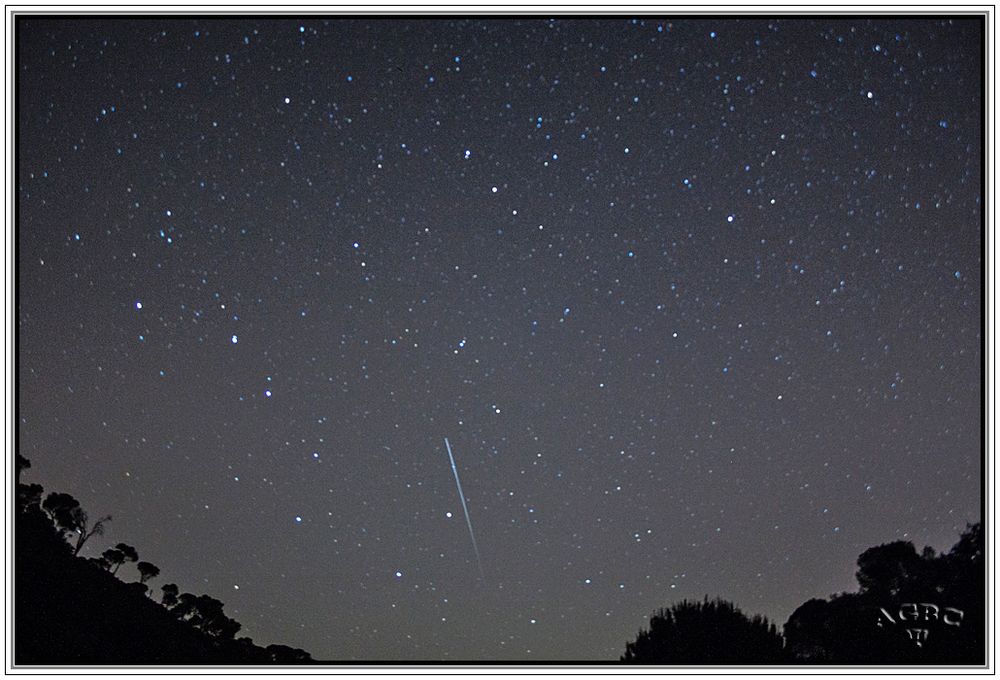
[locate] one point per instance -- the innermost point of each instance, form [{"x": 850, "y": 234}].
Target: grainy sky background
[{"x": 696, "y": 302}]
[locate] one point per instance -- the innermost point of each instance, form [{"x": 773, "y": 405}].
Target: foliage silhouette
[
  {"x": 101, "y": 562},
  {"x": 29, "y": 495},
  {"x": 886, "y": 569},
  {"x": 85, "y": 534},
  {"x": 147, "y": 570},
  {"x": 65, "y": 511},
  {"x": 205, "y": 613},
  {"x": 902, "y": 599},
  {"x": 170, "y": 592},
  {"x": 129, "y": 553},
  {"x": 113, "y": 558},
  {"x": 71, "y": 519},
  {"x": 708, "y": 632},
  {"x": 900, "y": 592}
]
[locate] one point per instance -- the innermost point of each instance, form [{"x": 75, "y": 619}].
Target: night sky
[{"x": 696, "y": 302}]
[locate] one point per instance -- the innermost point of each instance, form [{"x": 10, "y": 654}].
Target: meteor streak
[{"x": 468, "y": 521}]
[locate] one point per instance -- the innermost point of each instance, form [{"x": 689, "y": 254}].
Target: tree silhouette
[
  {"x": 713, "y": 631},
  {"x": 84, "y": 534},
  {"x": 214, "y": 621},
  {"x": 169, "y": 598},
  {"x": 147, "y": 570},
  {"x": 29, "y": 496},
  {"x": 969, "y": 547},
  {"x": 839, "y": 630},
  {"x": 65, "y": 511},
  {"x": 186, "y": 609},
  {"x": 131, "y": 554},
  {"x": 112, "y": 558},
  {"x": 71, "y": 519},
  {"x": 964, "y": 584},
  {"x": 897, "y": 588},
  {"x": 205, "y": 613},
  {"x": 886, "y": 569},
  {"x": 809, "y": 627}
]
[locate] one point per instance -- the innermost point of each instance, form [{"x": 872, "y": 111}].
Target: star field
[{"x": 696, "y": 302}]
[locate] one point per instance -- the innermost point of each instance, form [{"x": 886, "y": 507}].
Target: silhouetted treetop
[
  {"x": 205, "y": 613},
  {"x": 71, "y": 519},
  {"x": 130, "y": 553},
  {"x": 112, "y": 558},
  {"x": 65, "y": 511},
  {"x": 170, "y": 592},
  {"x": 885, "y": 569},
  {"x": 29, "y": 496},
  {"x": 147, "y": 570},
  {"x": 715, "y": 632},
  {"x": 902, "y": 594}
]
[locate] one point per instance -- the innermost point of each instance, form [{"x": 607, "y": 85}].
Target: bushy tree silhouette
[
  {"x": 113, "y": 559},
  {"x": 867, "y": 628},
  {"x": 71, "y": 519},
  {"x": 170, "y": 592},
  {"x": 129, "y": 553},
  {"x": 707, "y": 632},
  {"x": 205, "y": 613},
  {"x": 887, "y": 569},
  {"x": 29, "y": 496},
  {"x": 147, "y": 570},
  {"x": 65, "y": 511}
]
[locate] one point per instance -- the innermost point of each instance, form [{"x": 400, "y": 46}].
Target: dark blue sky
[{"x": 697, "y": 303}]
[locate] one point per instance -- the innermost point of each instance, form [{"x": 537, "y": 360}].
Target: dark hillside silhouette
[{"x": 71, "y": 610}]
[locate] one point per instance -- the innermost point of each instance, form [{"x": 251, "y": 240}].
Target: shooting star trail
[{"x": 468, "y": 521}]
